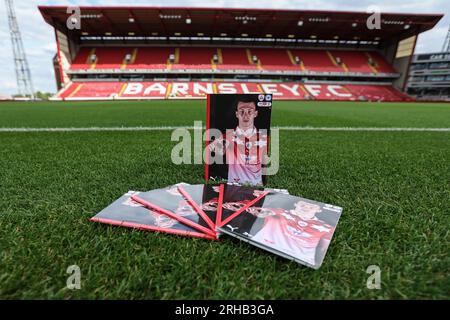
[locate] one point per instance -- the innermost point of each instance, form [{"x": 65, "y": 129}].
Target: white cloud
[{"x": 39, "y": 40}]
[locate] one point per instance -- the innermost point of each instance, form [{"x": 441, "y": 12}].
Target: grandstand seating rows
[
  {"x": 199, "y": 90},
  {"x": 201, "y": 58}
]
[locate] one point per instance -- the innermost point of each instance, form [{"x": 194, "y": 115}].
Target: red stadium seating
[
  {"x": 275, "y": 59},
  {"x": 354, "y": 61},
  {"x": 382, "y": 64},
  {"x": 358, "y": 61},
  {"x": 107, "y": 58},
  {"x": 91, "y": 90},
  {"x": 199, "y": 90},
  {"x": 377, "y": 93},
  {"x": 188, "y": 58},
  {"x": 316, "y": 60},
  {"x": 81, "y": 60},
  {"x": 150, "y": 58},
  {"x": 235, "y": 58},
  {"x": 110, "y": 58},
  {"x": 195, "y": 58},
  {"x": 68, "y": 90}
]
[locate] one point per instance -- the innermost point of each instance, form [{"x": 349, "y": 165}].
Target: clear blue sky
[{"x": 40, "y": 44}]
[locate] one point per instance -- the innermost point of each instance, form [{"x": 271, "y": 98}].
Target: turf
[
  {"x": 177, "y": 113},
  {"x": 394, "y": 187}
]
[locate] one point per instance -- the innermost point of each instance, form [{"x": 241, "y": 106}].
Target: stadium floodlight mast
[
  {"x": 446, "y": 46},
  {"x": 23, "y": 74}
]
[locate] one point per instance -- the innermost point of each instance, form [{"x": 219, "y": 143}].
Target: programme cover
[
  {"x": 204, "y": 199},
  {"x": 207, "y": 199},
  {"x": 295, "y": 228},
  {"x": 237, "y": 198},
  {"x": 128, "y": 213},
  {"x": 170, "y": 202},
  {"x": 238, "y": 151}
]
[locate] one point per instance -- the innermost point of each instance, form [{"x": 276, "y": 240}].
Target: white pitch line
[
  {"x": 171, "y": 128},
  {"x": 92, "y": 129},
  {"x": 360, "y": 129}
]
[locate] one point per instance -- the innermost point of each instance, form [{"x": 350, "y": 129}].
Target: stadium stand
[
  {"x": 198, "y": 90},
  {"x": 187, "y": 53},
  {"x": 231, "y": 59}
]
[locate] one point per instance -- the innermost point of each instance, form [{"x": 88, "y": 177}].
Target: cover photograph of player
[
  {"x": 294, "y": 227},
  {"x": 235, "y": 199},
  {"x": 244, "y": 123}
]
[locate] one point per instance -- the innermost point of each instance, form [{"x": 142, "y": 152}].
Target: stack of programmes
[{"x": 271, "y": 219}]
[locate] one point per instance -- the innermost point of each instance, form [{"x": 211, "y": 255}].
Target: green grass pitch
[{"x": 394, "y": 187}]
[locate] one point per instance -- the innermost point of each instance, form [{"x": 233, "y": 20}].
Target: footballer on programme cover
[
  {"x": 292, "y": 227},
  {"x": 244, "y": 123},
  {"x": 236, "y": 199}
]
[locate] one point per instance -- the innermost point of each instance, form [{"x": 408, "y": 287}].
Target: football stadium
[
  {"x": 176, "y": 53},
  {"x": 127, "y": 77}
]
